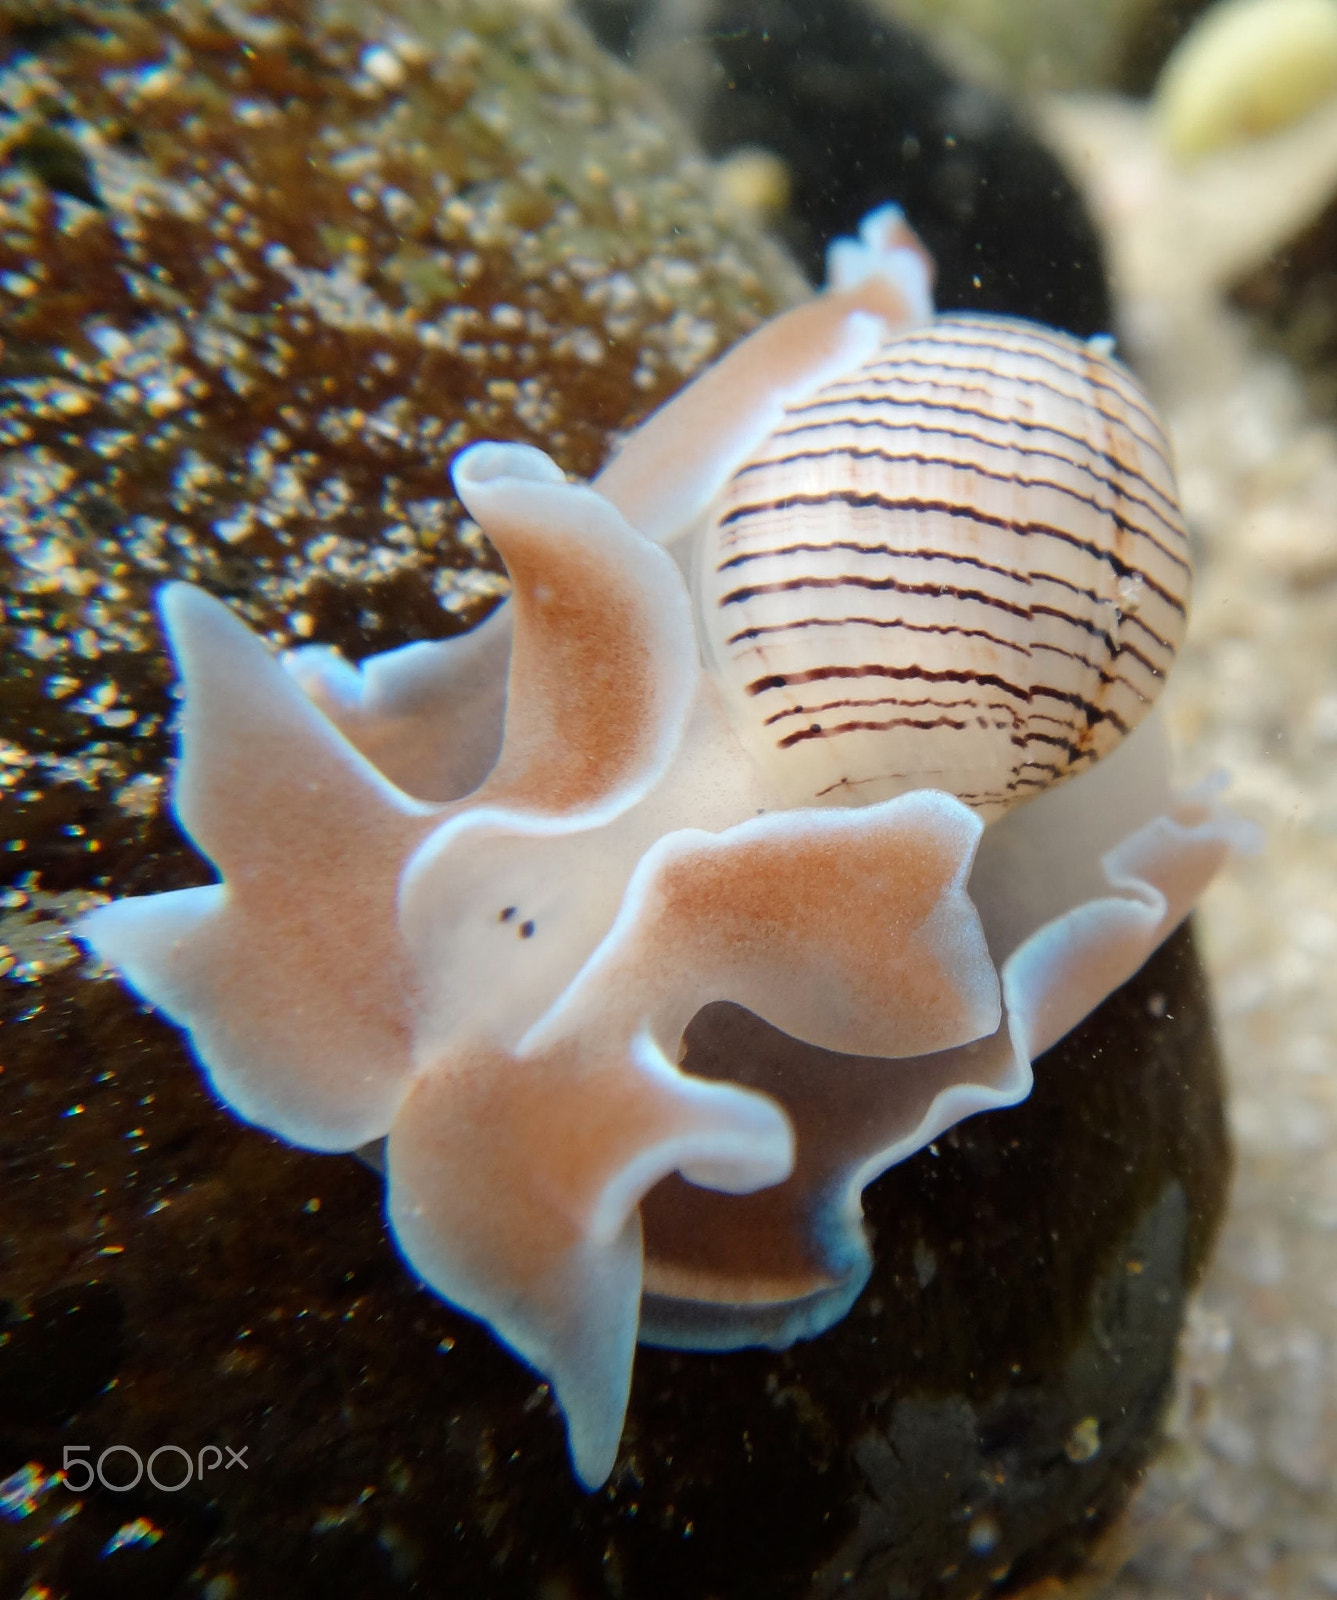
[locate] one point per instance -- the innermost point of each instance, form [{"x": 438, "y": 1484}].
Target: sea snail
[
  {"x": 961, "y": 566},
  {"x": 474, "y": 892}
]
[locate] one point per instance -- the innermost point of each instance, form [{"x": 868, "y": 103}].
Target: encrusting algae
[{"x": 260, "y": 278}]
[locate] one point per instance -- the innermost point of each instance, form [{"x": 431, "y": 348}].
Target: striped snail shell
[{"x": 961, "y": 567}]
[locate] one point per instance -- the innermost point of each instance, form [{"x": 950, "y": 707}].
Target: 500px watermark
[{"x": 120, "y": 1467}]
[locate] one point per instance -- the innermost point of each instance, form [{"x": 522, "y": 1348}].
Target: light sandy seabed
[{"x": 1245, "y": 1505}]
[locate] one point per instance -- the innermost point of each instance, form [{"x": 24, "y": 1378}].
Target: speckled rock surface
[{"x": 259, "y": 280}]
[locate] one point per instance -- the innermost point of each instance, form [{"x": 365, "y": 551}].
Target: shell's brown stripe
[
  {"x": 951, "y": 334},
  {"x": 880, "y": 725},
  {"x": 945, "y": 508},
  {"x": 926, "y": 424},
  {"x": 942, "y": 360},
  {"x": 1114, "y": 646},
  {"x": 892, "y": 552},
  {"x": 804, "y": 734},
  {"x": 982, "y": 797},
  {"x": 1095, "y": 373},
  {"x": 1120, "y": 449},
  {"x": 934, "y": 400},
  {"x": 1026, "y": 577},
  {"x": 944, "y": 629},
  {"x": 934, "y": 591},
  {"x": 1125, "y": 649},
  {"x": 877, "y": 669},
  {"x": 880, "y": 669},
  {"x": 881, "y": 585},
  {"x": 1021, "y": 740},
  {"x": 1030, "y": 576},
  {"x": 755, "y": 631},
  {"x": 1012, "y": 575},
  {"x": 916, "y": 458},
  {"x": 1039, "y": 766},
  {"x": 939, "y": 384},
  {"x": 967, "y": 704},
  {"x": 1051, "y": 767},
  {"x": 1092, "y": 712},
  {"x": 1105, "y": 677},
  {"x": 947, "y": 374},
  {"x": 1100, "y": 371},
  {"x": 1016, "y": 481}
]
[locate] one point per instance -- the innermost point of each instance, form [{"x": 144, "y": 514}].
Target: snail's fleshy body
[
  {"x": 960, "y": 567},
  {"x": 475, "y": 925}
]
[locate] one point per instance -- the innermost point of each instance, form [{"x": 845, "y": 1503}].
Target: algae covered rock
[
  {"x": 262, "y": 274},
  {"x": 974, "y": 1425}
]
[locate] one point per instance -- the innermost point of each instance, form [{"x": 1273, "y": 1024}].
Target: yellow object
[
  {"x": 755, "y": 180},
  {"x": 1245, "y": 68}
]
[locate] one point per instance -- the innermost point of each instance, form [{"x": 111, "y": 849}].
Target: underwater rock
[
  {"x": 858, "y": 110},
  {"x": 261, "y": 276},
  {"x": 58, "y": 1356},
  {"x": 975, "y": 1422}
]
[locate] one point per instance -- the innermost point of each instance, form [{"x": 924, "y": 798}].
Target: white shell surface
[{"x": 961, "y": 567}]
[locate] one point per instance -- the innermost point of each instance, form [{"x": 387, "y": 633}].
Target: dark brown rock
[
  {"x": 973, "y": 1425},
  {"x": 859, "y": 110},
  {"x": 58, "y": 1355}
]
